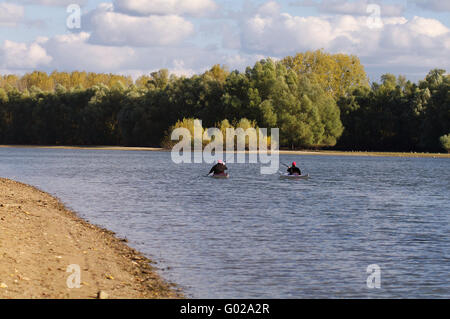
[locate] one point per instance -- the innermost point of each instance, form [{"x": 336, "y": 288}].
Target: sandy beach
[
  {"x": 40, "y": 239},
  {"x": 367, "y": 154}
]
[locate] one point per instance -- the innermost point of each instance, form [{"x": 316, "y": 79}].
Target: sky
[{"x": 137, "y": 37}]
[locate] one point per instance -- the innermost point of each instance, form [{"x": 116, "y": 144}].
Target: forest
[{"x": 317, "y": 100}]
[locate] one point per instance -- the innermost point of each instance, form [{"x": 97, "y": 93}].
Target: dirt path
[{"x": 40, "y": 239}]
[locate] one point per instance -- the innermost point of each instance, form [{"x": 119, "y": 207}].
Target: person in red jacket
[
  {"x": 294, "y": 170},
  {"x": 219, "y": 168}
]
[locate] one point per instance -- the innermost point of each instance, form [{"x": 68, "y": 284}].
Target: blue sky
[{"x": 135, "y": 37}]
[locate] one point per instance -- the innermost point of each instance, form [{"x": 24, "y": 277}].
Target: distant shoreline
[
  {"x": 104, "y": 148},
  {"x": 283, "y": 152}
]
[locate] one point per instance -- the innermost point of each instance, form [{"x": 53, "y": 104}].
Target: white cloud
[
  {"x": 285, "y": 34},
  {"x": 53, "y": 2},
  {"x": 11, "y": 14},
  {"x": 358, "y": 8},
  {"x": 72, "y": 52},
  {"x": 114, "y": 28},
  {"x": 429, "y": 27},
  {"x": 180, "y": 68},
  {"x": 76, "y": 52},
  {"x": 121, "y": 43},
  {"x": 399, "y": 42},
  {"x": 20, "y": 56},
  {"x": 270, "y": 8},
  {"x": 179, "y": 7},
  {"x": 240, "y": 61}
]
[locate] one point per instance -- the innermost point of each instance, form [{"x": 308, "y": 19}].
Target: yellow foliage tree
[{"x": 337, "y": 74}]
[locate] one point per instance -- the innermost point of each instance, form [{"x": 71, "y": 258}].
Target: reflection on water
[{"x": 256, "y": 236}]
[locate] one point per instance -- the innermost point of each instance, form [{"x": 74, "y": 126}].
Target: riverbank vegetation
[
  {"x": 318, "y": 100},
  {"x": 230, "y": 136},
  {"x": 445, "y": 142}
]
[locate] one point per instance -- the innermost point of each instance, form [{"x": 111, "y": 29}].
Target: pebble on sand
[{"x": 102, "y": 295}]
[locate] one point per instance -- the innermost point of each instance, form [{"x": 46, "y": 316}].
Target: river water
[{"x": 256, "y": 236}]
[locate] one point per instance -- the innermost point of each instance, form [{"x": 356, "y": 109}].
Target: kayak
[
  {"x": 287, "y": 176},
  {"x": 220, "y": 176}
]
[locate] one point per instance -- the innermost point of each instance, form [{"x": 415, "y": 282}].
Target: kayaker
[
  {"x": 294, "y": 170},
  {"x": 219, "y": 168}
]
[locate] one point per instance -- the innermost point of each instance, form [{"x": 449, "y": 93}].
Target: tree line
[
  {"x": 397, "y": 115},
  {"x": 316, "y": 99}
]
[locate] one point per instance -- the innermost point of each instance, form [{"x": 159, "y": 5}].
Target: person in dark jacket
[
  {"x": 219, "y": 168},
  {"x": 294, "y": 170}
]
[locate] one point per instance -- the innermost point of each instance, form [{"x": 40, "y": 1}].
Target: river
[{"x": 256, "y": 236}]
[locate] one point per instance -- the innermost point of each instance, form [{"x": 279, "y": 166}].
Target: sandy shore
[
  {"x": 101, "y": 148},
  {"x": 285, "y": 152},
  {"x": 368, "y": 154},
  {"x": 40, "y": 239}
]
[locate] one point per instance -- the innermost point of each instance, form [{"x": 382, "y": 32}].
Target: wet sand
[{"x": 40, "y": 239}]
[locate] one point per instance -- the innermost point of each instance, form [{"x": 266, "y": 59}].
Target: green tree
[{"x": 445, "y": 142}]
